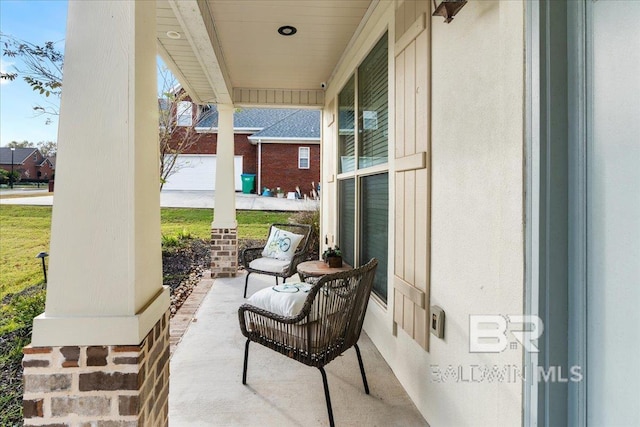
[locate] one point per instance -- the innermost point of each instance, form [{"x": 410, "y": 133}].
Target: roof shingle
[{"x": 19, "y": 155}]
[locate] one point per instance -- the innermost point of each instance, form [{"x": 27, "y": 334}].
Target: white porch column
[
  {"x": 224, "y": 234},
  {"x": 100, "y": 351},
  {"x": 105, "y": 273},
  {"x": 225, "y": 203}
]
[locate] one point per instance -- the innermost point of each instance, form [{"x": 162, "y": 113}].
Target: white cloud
[{"x": 4, "y": 66}]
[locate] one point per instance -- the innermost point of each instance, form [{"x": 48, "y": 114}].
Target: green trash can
[{"x": 248, "y": 180}]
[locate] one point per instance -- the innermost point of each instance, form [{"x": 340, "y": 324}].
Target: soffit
[
  {"x": 179, "y": 54},
  {"x": 249, "y": 52}
]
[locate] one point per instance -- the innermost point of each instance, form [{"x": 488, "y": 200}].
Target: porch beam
[
  {"x": 197, "y": 24},
  {"x": 265, "y": 97}
]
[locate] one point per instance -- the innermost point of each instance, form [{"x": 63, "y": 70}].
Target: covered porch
[
  {"x": 374, "y": 68},
  {"x": 465, "y": 157},
  {"x": 206, "y": 376}
]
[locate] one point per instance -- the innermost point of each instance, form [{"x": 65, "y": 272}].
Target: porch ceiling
[{"x": 230, "y": 51}]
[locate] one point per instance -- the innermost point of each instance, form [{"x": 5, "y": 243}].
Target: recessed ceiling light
[
  {"x": 173, "y": 35},
  {"x": 287, "y": 30}
]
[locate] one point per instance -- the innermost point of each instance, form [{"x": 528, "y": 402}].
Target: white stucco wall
[{"x": 477, "y": 254}]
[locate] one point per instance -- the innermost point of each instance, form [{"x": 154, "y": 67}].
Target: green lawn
[
  {"x": 251, "y": 224},
  {"x": 25, "y": 231}
]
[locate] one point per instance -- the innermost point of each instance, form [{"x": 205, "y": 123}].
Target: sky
[{"x": 36, "y": 21}]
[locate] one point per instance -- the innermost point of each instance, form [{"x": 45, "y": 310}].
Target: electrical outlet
[{"x": 437, "y": 321}]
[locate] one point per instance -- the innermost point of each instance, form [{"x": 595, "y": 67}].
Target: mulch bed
[{"x": 182, "y": 267}]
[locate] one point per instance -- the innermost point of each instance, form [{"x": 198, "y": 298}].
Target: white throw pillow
[
  {"x": 285, "y": 300},
  {"x": 282, "y": 244}
]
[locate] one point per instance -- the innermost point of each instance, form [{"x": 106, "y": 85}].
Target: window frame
[
  {"x": 301, "y": 157},
  {"x": 184, "y": 111},
  {"x": 359, "y": 173}
]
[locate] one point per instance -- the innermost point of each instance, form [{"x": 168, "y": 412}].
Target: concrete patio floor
[{"x": 206, "y": 377}]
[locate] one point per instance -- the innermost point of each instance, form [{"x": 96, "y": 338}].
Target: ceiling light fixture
[
  {"x": 173, "y": 35},
  {"x": 287, "y": 30}
]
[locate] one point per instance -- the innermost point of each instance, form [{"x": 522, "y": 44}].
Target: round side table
[{"x": 316, "y": 269}]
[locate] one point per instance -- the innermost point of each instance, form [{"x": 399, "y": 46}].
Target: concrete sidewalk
[
  {"x": 206, "y": 377},
  {"x": 182, "y": 199}
]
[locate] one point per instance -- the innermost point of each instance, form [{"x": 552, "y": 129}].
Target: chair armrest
[
  {"x": 297, "y": 259},
  {"x": 256, "y": 317},
  {"x": 249, "y": 254}
]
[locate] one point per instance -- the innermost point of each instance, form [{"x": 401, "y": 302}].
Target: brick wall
[
  {"x": 47, "y": 171},
  {"x": 280, "y": 167},
  {"x": 224, "y": 252},
  {"x": 99, "y": 386}
]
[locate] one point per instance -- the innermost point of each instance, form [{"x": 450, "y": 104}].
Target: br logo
[{"x": 488, "y": 333}]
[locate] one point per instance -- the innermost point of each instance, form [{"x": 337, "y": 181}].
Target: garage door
[{"x": 198, "y": 172}]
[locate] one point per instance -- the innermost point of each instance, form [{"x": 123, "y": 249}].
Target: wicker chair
[
  {"x": 329, "y": 323},
  {"x": 283, "y": 269}
]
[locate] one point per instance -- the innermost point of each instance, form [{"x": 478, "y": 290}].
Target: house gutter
[
  {"x": 284, "y": 140},
  {"x": 259, "y": 186}
]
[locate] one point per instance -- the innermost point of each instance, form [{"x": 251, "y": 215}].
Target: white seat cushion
[
  {"x": 271, "y": 265},
  {"x": 282, "y": 244},
  {"x": 285, "y": 300}
]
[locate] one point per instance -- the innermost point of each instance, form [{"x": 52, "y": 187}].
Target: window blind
[
  {"x": 375, "y": 227},
  {"x": 372, "y": 107},
  {"x": 347, "y": 226},
  {"x": 346, "y": 127}
]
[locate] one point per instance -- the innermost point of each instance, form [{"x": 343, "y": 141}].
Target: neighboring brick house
[
  {"x": 28, "y": 162},
  {"x": 280, "y": 146},
  {"x": 289, "y": 152}
]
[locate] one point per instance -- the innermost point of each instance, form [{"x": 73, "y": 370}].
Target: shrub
[
  {"x": 17, "y": 313},
  {"x": 5, "y": 175},
  {"x": 311, "y": 218},
  {"x": 178, "y": 241}
]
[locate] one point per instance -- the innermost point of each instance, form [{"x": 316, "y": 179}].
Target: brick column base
[
  {"x": 99, "y": 385},
  {"x": 224, "y": 252}
]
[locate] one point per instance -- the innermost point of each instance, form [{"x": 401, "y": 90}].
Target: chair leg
[
  {"x": 364, "y": 377},
  {"x": 276, "y": 280},
  {"x": 246, "y": 282},
  {"x": 327, "y": 397},
  {"x": 246, "y": 359}
]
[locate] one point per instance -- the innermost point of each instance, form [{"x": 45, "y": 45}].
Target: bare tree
[
  {"x": 41, "y": 69},
  {"x": 21, "y": 144},
  {"x": 178, "y": 121},
  {"x": 48, "y": 148}
]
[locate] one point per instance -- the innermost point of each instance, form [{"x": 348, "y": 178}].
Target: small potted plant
[{"x": 333, "y": 257}]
